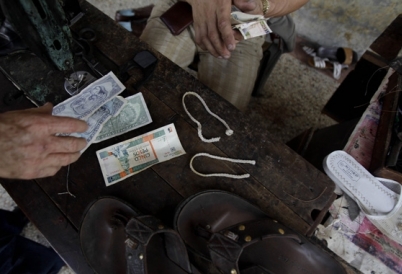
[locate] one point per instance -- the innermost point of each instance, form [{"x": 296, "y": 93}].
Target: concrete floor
[{"x": 292, "y": 101}]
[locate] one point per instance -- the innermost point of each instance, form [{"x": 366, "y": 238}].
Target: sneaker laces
[
  {"x": 321, "y": 63},
  {"x": 309, "y": 51}
]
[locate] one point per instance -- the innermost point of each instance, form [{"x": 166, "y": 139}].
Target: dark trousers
[{"x": 21, "y": 255}]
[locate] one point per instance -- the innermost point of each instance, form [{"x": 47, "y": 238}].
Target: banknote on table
[
  {"x": 90, "y": 98},
  {"x": 135, "y": 114},
  {"x": 100, "y": 117},
  {"x": 128, "y": 158}
]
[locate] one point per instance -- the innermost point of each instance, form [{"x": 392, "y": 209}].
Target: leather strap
[
  {"x": 139, "y": 231},
  {"x": 348, "y": 56}
]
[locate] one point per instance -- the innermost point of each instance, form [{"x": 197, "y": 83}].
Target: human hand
[
  {"x": 213, "y": 31},
  {"x": 29, "y": 145},
  {"x": 249, "y": 6}
]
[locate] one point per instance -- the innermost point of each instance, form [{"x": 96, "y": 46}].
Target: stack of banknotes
[
  {"x": 107, "y": 114},
  {"x": 249, "y": 25}
]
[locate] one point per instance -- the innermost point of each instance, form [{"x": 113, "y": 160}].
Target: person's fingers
[
  {"x": 201, "y": 38},
  {"x": 225, "y": 29},
  {"x": 214, "y": 41},
  {"x": 46, "y": 108},
  {"x": 48, "y": 166},
  {"x": 44, "y": 172},
  {"x": 57, "y": 124},
  {"x": 238, "y": 36},
  {"x": 65, "y": 144},
  {"x": 247, "y": 6},
  {"x": 60, "y": 159},
  {"x": 208, "y": 45}
]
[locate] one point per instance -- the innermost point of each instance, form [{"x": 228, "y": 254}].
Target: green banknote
[{"x": 134, "y": 114}]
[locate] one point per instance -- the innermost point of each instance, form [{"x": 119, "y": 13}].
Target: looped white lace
[
  {"x": 228, "y": 132},
  {"x": 233, "y": 176}
]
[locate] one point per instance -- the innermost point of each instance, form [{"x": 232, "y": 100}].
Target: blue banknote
[{"x": 91, "y": 98}]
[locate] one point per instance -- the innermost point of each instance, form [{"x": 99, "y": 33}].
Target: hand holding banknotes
[
  {"x": 249, "y": 6},
  {"x": 274, "y": 8},
  {"x": 213, "y": 31},
  {"x": 29, "y": 145}
]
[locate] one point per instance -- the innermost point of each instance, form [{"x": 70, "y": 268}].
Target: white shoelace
[
  {"x": 233, "y": 176},
  {"x": 228, "y": 132}
]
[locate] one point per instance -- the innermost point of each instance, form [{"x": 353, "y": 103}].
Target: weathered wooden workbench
[{"x": 282, "y": 183}]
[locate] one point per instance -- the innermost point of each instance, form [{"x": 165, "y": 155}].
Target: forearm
[{"x": 280, "y": 7}]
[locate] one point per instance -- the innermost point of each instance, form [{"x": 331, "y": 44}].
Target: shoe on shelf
[
  {"x": 325, "y": 63},
  {"x": 341, "y": 55},
  {"x": 378, "y": 198}
]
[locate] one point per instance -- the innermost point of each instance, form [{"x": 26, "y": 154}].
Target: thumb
[
  {"x": 246, "y": 6},
  {"x": 46, "y": 108}
]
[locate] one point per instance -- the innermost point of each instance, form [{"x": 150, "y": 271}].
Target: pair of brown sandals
[{"x": 214, "y": 232}]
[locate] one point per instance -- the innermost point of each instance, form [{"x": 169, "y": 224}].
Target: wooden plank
[{"x": 389, "y": 43}]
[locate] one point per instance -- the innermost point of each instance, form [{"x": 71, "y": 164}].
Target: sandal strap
[
  {"x": 139, "y": 231},
  {"x": 338, "y": 69},
  {"x": 226, "y": 246}
]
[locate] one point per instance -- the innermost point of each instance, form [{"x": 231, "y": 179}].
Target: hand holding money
[
  {"x": 249, "y": 6},
  {"x": 212, "y": 26},
  {"x": 29, "y": 145},
  {"x": 250, "y": 24}
]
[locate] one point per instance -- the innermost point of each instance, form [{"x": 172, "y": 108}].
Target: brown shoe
[
  {"x": 117, "y": 238},
  {"x": 227, "y": 234}
]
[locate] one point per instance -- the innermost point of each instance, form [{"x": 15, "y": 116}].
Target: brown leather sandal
[
  {"x": 117, "y": 238},
  {"x": 226, "y": 234}
]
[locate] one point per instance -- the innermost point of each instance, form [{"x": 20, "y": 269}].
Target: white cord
[
  {"x": 251, "y": 162},
  {"x": 228, "y": 132}
]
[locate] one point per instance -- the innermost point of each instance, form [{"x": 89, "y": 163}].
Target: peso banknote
[
  {"x": 91, "y": 98},
  {"x": 253, "y": 29},
  {"x": 249, "y": 25},
  {"x": 118, "y": 104},
  {"x": 98, "y": 118},
  {"x": 135, "y": 114},
  {"x": 128, "y": 158}
]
